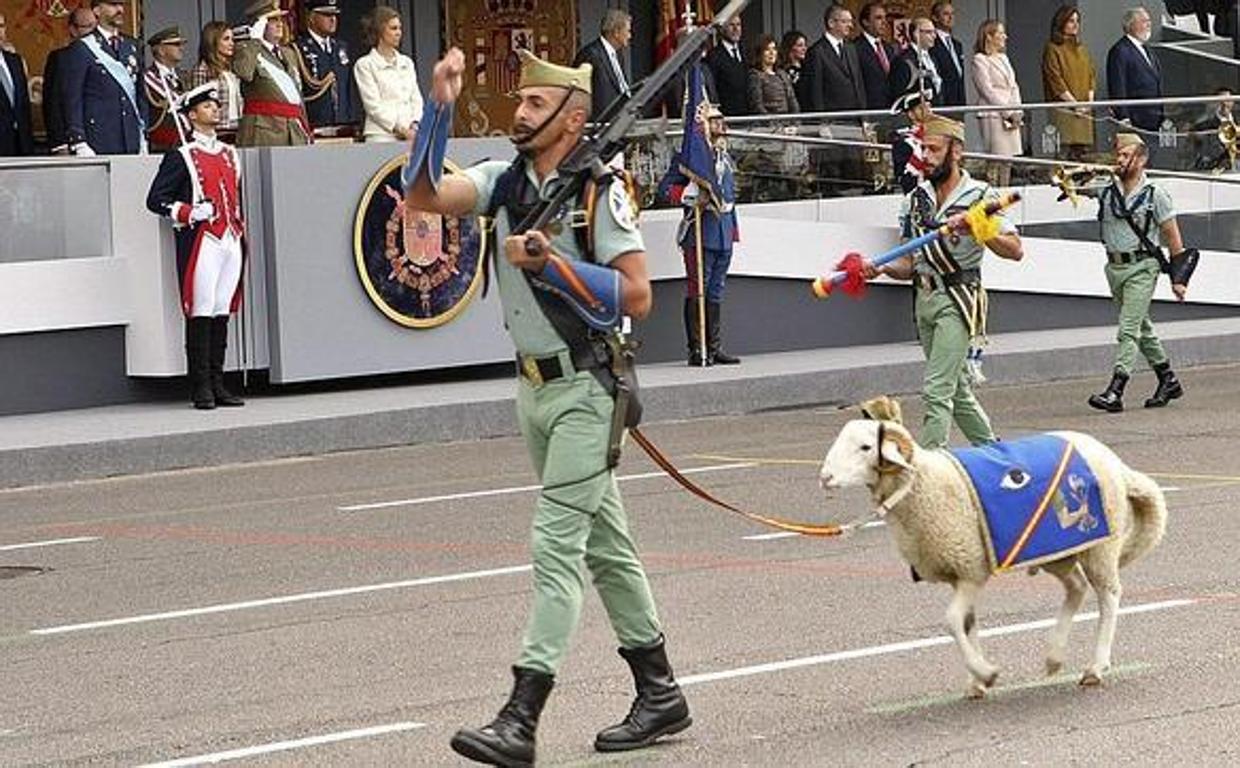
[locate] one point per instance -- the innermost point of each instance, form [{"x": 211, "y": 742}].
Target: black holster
[{"x": 621, "y": 375}]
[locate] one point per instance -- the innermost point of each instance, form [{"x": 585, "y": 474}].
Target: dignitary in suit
[
  {"x": 1133, "y": 72},
  {"x": 198, "y": 188},
  {"x": 916, "y": 64},
  {"x": 608, "y": 80},
  {"x": 877, "y": 56},
  {"x": 325, "y": 68},
  {"x": 273, "y": 115},
  {"x": 831, "y": 76},
  {"x": 81, "y": 22},
  {"x": 105, "y": 104},
  {"x": 948, "y": 54},
  {"x": 729, "y": 70},
  {"x": 16, "y": 133},
  {"x": 164, "y": 86}
]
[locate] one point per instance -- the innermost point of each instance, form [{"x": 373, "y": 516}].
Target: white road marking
[
  {"x": 50, "y": 543},
  {"x": 909, "y": 645},
  {"x": 527, "y": 489},
  {"x": 300, "y": 598},
  {"x": 284, "y": 746},
  {"x": 791, "y": 534}
]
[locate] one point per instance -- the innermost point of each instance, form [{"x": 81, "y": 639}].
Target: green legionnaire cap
[
  {"x": 536, "y": 73},
  {"x": 1128, "y": 140},
  {"x": 263, "y": 9},
  {"x": 169, "y": 36},
  {"x": 939, "y": 125}
]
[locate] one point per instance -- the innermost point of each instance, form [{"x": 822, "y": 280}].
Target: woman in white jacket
[
  {"x": 387, "y": 81},
  {"x": 996, "y": 85}
]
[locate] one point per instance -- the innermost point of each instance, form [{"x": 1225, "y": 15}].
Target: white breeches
[{"x": 216, "y": 274}]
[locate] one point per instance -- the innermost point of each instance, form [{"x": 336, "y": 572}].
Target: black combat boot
[
  {"x": 219, "y": 346},
  {"x": 1112, "y": 400},
  {"x": 198, "y": 362},
  {"x": 691, "y": 333},
  {"x": 714, "y": 333},
  {"x": 660, "y": 708},
  {"x": 1168, "y": 389},
  {"x": 509, "y": 739}
]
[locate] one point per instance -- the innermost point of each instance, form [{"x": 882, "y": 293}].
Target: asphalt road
[{"x": 355, "y": 609}]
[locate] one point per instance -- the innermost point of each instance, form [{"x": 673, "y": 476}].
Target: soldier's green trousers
[
  {"x": 566, "y": 424},
  {"x": 946, "y": 391},
  {"x": 1132, "y": 287}
]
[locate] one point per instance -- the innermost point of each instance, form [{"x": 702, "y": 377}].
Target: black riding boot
[
  {"x": 198, "y": 362},
  {"x": 691, "y": 333},
  {"x": 1169, "y": 387},
  {"x": 714, "y": 334},
  {"x": 219, "y": 345},
  {"x": 660, "y": 708},
  {"x": 509, "y": 739},
  {"x": 1112, "y": 400}
]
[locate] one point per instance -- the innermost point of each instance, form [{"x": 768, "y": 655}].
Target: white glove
[
  {"x": 258, "y": 28},
  {"x": 202, "y": 211},
  {"x": 82, "y": 149},
  {"x": 689, "y": 197}
]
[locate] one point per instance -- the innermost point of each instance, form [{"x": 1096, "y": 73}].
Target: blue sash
[
  {"x": 119, "y": 73},
  {"x": 1040, "y": 500}
]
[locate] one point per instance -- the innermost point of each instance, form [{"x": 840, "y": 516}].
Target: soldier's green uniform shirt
[
  {"x": 1132, "y": 284},
  {"x": 567, "y": 424},
  {"x": 945, "y": 331}
]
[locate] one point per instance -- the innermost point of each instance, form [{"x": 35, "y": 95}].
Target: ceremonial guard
[
  {"x": 274, "y": 115},
  {"x": 719, "y": 231},
  {"x": 325, "y": 68},
  {"x": 163, "y": 86},
  {"x": 105, "y": 106},
  {"x": 1137, "y": 217},
  {"x": 951, "y": 303},
  {"x": 908, "y": 153},
  {"x": 567, "y": 395},
  {"x": 198, "y": 187}
]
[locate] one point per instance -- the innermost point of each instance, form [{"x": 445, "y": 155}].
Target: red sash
[{"x": 255, "y": 107}]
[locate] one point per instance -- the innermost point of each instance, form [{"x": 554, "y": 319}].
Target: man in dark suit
[
  {"x": 948, "y": 54},
  {"x": 877, "y": 56},
  {"x": 81, "y": 23},
  {"x": 831, "y": 75},
  {"x": 16, "y": 134},
  {"x": 731, "y": 74},
  {"x": 326, "y": 69},
  {"x": 608, "y": 81},
  {"x": 105, "y": 104},
  {"x": 1133, "y": 72}
]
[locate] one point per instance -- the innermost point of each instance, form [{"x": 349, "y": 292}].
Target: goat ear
[{"x": 897, "y": 448}]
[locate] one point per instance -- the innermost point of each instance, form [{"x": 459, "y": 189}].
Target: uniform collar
[
  {"x": 322, "y": 42},
  {"x": 209, "y": 143},
  {"x": 967, "y": 184}
]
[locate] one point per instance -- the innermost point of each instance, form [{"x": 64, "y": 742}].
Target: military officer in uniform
[
  {"x": 950, "y": 304},
  {"x": 198, "y": 188},
  {"x": 105, "y": 105},
  {"x": 163, "y": 86},
  {"x": 274, "y": 115},
  {"x": 564, "y": 406},
  {"x": 1137, "y": 216},
  {"x": 325, "y": 67}
]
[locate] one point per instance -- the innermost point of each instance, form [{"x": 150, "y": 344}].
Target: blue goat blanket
[{"x": 1040, "y": 500}]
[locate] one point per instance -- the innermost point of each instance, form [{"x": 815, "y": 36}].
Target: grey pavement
[{"x": 130, "y": 439}]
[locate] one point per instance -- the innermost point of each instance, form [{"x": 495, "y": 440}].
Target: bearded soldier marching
[
  {"x": 951, "y": 303},
  {"x": 568, "y": 392},
  {"x": 198, "y": 187}
]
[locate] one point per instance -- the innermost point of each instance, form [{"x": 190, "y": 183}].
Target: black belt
[
  {"x": 541, "y": 370},
  {"x": 1127, "y": 257},
  {"x": 937, "y": 282}
]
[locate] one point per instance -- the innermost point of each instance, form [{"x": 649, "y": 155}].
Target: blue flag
[{"x": 697, "y": 157}]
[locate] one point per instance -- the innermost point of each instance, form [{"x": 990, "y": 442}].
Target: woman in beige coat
[
  {"x": 1068, "y": 75},
  {"x": 995, "y": 81}
]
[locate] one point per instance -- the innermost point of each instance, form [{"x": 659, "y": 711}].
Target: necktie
[
  {"x": 882, "y": 56},
  {"x": 115, "y": 40},
  {"x": 6, "y": 79}
]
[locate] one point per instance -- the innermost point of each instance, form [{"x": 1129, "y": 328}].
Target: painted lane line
[
  {"x": 910, "y": 645},
  {"x": 300, "y": 598},
  {"x": 791, "y": 534},
  {"x": 284, "y": 746},
  {"x": 50, "y": 543},
  {"x": 528, "y": 488}
]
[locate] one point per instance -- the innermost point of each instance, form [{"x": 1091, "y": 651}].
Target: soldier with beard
[
  {"x": 951, "y": 303},
  {"x": 564, "y": 407}
]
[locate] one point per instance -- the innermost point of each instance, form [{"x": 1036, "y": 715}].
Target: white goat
[{"x": 937, "y": 525}]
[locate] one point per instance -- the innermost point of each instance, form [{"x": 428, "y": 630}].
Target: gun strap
[{"x": 1121, "y": 211}]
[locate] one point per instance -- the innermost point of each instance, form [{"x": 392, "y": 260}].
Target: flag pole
[{"x": 701, "y": 280}]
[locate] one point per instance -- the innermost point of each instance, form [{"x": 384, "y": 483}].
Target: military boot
[
  {"x": 1112, "y": 400},
  {"x": 692, "y": 335},
  {"x": 508, "y": 740},
  {"x": 660, "y": 708},
  {"x": 219, "y": 347},
  {"x": 714, "y": 335},
  {"x": 198, "y": 362},
  {"x": 1169, "y": 387}
]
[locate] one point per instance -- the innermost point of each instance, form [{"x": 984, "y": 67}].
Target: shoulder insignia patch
[{"x": 622, "y": 208}]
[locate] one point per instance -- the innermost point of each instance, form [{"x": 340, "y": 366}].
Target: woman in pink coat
[{"x": 996, "y": 85}]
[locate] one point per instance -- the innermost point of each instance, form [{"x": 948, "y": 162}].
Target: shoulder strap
[{"x": 1121, "y": 211}]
